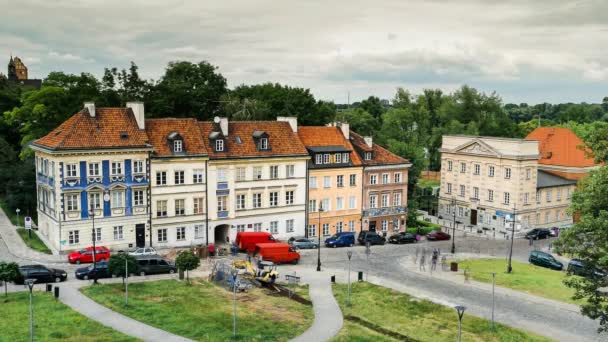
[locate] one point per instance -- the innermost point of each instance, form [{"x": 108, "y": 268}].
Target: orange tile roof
[
  {"x": 281, "y": 138},
  {"x": 380, "y": 155},
  {"x": 560, "y": 147},
  {"x": 316, "y": 136},
  {"x": 81, "y": 131},
  {"x": 158, "y": 131}
]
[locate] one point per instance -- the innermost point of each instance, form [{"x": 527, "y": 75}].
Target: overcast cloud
[{"x": 527, "y": 51}]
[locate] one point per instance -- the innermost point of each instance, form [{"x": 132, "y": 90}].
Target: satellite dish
[{"x": 216, "y": 119}]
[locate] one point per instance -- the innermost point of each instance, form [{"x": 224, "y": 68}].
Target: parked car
[
  {"x": 86, "y": 255},
  {"x": 143, "y": 251},
  {"x": 401, "y": 238},
  {"x": 246, "y": 241},
  {"x": 42, "y": 274},
  {"x": 154, "y": 264},
  {"x": 89, "y": 272},
  {"x": 538, "y": 233},
  {"x": 277, "y": 253},
  {"x": 303, "y": 243},
  {"x": 342, "y": 239},
  {"x": 370, "y": 236},
  {"x": 543, "y": 259},
  {"x": 435, "y": 235},
  {"x": 578, "y": 267}
]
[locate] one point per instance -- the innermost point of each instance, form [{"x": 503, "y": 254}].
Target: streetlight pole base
[{"x": 319, "y": 268}]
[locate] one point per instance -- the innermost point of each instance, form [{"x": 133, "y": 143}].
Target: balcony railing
[{"x": 384, "y": 211}]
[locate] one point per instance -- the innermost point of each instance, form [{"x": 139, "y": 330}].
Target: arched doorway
[{"x": 222, "y": 232}]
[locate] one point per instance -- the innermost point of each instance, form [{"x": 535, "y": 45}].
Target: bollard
[
  {"x": 333, "y": 278},
  {"x": 49, "y": 287},
  {"x": 360, "y": 277},
  {"x": 56, "y": 292}
]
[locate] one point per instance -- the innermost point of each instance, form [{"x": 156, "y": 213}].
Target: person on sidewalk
[{"x": 211, "y": 249}]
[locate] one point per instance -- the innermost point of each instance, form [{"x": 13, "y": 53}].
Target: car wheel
[
  {"x": 57, "y": 280},
  {"x": 171, "y": 271},
  {"x": 78, "y": 262},
  {"x": 350, "y": 245},
  {"x": 86, "y": 277},
  {"x": 142, "y": 273},
  {"x": 335, "y": 246}
]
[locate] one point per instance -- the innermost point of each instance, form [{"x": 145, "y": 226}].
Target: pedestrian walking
[
  {"x": 211, "y": 249},
  {"x": 422, "y": 262},
  {"x": 434, "y": 260}
]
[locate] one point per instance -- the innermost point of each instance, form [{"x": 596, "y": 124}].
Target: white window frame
[
  {"x": 351, "y": 226},
  {"x": 273, "y": 198},
  {"x": 222, "y": 203},
  {"x": 71, "y": 170},
  {"x": 180, "y": 234},
  {"x": 340, "y": 181},
  {"x": 312, "y": 182},
  {"x": 72, "y": 202},
  {"x": 491, "y": 171},
  {"x": 257, "y": 227},
  {"x": 180, "y": 210},
  {"x": 326, "y": 204},
  {"x": 449, "y": 188},
  {"x": 257, "y": 200},
  {"x": 289, "y": 226},
  {"x": 368, "y": 156},
  {"x": 450, "y": 164},
  {"x": 490, "y": 195},
  {"x": 274, "y": 227},
  {"x": 163, "y": 177},
  {"x": 290, "y": 171},
  {"x": 396, "y": 199},
  {"x": 274, "y": 171},
  {"x": 463, "y": 167},
  {"x": 263, "y": 143},
  {"x": 345, "y": 158},
  {"x": 397, "y": 177},
  {"x": 385, "y": 178},
  {"x": 199, "y": 229},
  {"x": 507, "y": 198},
  {"x": 339, "y": 226},
  {"x": 138, "y": 166},
  {"x": 219, "y": 145},
  {"x": 178, "y": 146},
  {"x": 116, "y": 168},
  {"x": 312, "y": 230},
  {"x": 257, "y": 172},
  {"x": 326, "y": 158},
  {"x": 318, "y": 159},
  {"x": 373, "y": 201},
  {"x": 160, "y": 205},
  {"x": 117, "y": 199},
  {"x": 97, "y": 234},
  {"x": 339, "y": 203},
  {"x": 289, "y": 197},
  {"x": 325, "y": 229},
  {"x": 373, "y": 179},
  {"x": 138, "y": 197},
  {"x": 95, "y": 197},
  {"x": 352, "y": 180},
  {"x": 118, "y": 233},
  {"x": 385, "y": 200},
  {"x": 179, "y": 177},
  {"x": 326, "y": 182},
  {"x": 161, "y": 235},
  {"x": 198, "y": 176},
  {"x": 241, "y": 174},
  {"x": 94, "y": 167},
  {"x": 222, "y": 175},
  {"x": 338, "y": 158},
  {"x": 476, "y": 169},
  {"x": 198, "y": 205},
  {"x": 507, "y": 173},
  {"x": 352, "y": 202},
  {"x": 241, "y": 201},
  {"x": 74, "y": 237}
]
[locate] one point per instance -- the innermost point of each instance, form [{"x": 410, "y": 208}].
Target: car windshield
[{"x": 335, "y": 236}]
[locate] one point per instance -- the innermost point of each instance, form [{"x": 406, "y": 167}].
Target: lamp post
[
  {"x": 460, "y": 309},
  {"x": 319, "y": 247},
  {"x": 454, "y": 226},
  {"x": 30, "y": 285},
  {"x": 92, "y": 214},
  {"x": 18, "y": 211},
  {"x": 234, "y": 273},
  {"x": 509, "y": 268},
  {"x": 349, "y": 254},
  {"x": 126, "y": 280},
  {"x": 493, "y": 282}
]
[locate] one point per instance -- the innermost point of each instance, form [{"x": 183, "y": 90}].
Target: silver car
[{"x": 143, "y": 251}]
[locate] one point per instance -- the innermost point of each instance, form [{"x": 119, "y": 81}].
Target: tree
[
  {"x": 360, "y": 121},
  {"x": 116, "y": 265},
  {"x": 374, "y": 106},
  {"x": 9, "y": 272},
  {"x": 186, "y": 260}
]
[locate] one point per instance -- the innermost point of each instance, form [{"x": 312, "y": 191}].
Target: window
[
  {"x": 384, "y": 225},
  {"x": 198, "y": 204},
  {"x": 222, "y": 175},
  {"x": 548, "y": 195},
  {"x": 197, "y": 176},
  {"x": 312, "y": 206},
  {"x": 507, "y": 197},
  {"x": 138, "y": 197},
  {"x": 353, "y": 180},
  {"x": 368, "y": 156},
  {"x": 71, "y": 170},
  {"x": 528, "y": 171},
  {"x": 398, "y": 177},
  {"x": 526, "y": 198},
  {"x": 257, "y": 227},
  {"x": 274, "y": 172},
  {"x": 95, "y": 200},
  {"x": 161, "y": 235},
  {"x": 257, "y": 172},
  {"x": 117, "y": 199},
  {"x": 491, "y": 171},
  {"x": 161, "y": 208},
  {"x": 460, "y": 211},
  {"x": 290, "y": 171},
  {"x": 257, "y": 200},
  {"x": 338, "y": 158},
  {"x": 339, "y": 226},
  {"x": 318, "y": 159},
  {"x": 73, "y": 237},
  {"x": 240, "y": 201},
  {"x": 116, "y": 168},
  {"x": 538, "y": 196},
  {"x": 312, "y": 182},
  {"x": 385, "y": 179},
  {"x": 138, "y": 166},
  {"x": 94, "y": 169},
  {"x": 72, "y": 202},
  {"x": 352, "y": 202},
  {"x": 449, "y": 165},
  {"x": 312, "y": 230},
  {"x": 326, "y": 158},
  {"x": 199, "y": 229},
  {"x": 373, "y": 179},
  {"x": 345, "y": 157},
  {"x": 507, "y": 173},
  {"x": 463, "y": 167},
  {"x": 476, "y": 169},
  {"x": 274, "y": 199},
  {"x": 396, "y": 199},
  {"x": 274, "y": 227},
  {"x": 241, "y": 173},
  {"x": 385, "y": 200},
  {"x": 222, "y": 203},
  {"x": 240, "y": 227},
  {"x": 289, "y": 197},
  {"x": 179, "y": 177},
  {"x": 558, "y": 193},
  {"x": 118, "y": 235},
  {"x": 490, "y": 195},
  {"x": 547, "y": 215},
  {"x": 327, "y": 181},
  {"x": 475, "y": 192},
  {"x": 325, "y": 205},
  {"x": 449, "y": 188},
  {"x": 340, "y": 181},
  {"x": 180, "y": 207},
  {"x": 339, "y": 203},
  {"x": 289, "y": 226},
  {"x": 567, "y": 193},
  {"x": 264, "y": 144},
  {"x": 161, "y": 178},
  {"x": 325, "y": 229},
  {"x": 462, "y": 190},
  {"x": 97, "y": 234},
  {"x": 351, "y": 226},
  {"x": 373, "y": 201},
  {"x": 177, "y": 146},
  {"x": 219, "y": 145},
  {"x": 180, "y": 233}
]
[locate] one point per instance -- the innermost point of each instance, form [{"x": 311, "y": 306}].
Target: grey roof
[
  {"x": 546, "y": 180},
  {"x": 258, "y": 134},
  {"x": 214, "y": 135},
  {"x": 321, "y": 149}
]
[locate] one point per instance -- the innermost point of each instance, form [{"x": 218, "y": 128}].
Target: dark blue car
[{"x": 344, "y": 239}]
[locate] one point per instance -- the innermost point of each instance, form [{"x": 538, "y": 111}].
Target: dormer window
[
  {"x": 219, "y": 145},
  {"x": 261, "y": 139},
  {"x": 326, "y": 158},
  {"x": 338, "y": 158},
  {"x": 264, "y": 144},
  {"x": 175, "y": 142},
  {"x": 319, "y": 159},
  {"x": 368, "y": 156},
  {"x": 177, "y": 146},
  {"x": 345, "y": 157}
]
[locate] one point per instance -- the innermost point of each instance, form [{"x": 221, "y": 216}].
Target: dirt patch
[{"x": 379, "y": 329}]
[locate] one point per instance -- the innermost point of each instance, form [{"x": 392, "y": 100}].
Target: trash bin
[
  {"x": 49, "y": 287},
  {"x": 454, "y": 266},
  {"x": 56, "y": 292},
  {"x": 181, "y": 274},
  {"x": 333, "y": 278},
  {"x": 360, "y": 277}
]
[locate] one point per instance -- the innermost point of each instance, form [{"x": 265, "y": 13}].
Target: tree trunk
[{"x": 5, "y": 289}]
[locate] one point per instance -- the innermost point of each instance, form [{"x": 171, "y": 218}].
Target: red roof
[
  {"x": 380, "y": 155},
  {"x": 158, "y": 131},
  {"x": 560, "y": 147},
  {"x": 317, "y": 136}
]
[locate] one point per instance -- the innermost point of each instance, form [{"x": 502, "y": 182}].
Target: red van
[
  {"x": 86, "y": 255},
  {"x": 246, "y": 241},
  {"x": 277, "y": 252}
]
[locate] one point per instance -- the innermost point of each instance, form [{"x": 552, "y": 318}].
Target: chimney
[
  {"x": 90, "y": 106},
  {"x": 293, "y": 122},
  {"x": 138, "y": 112},
  {"x": 224, "y": 126},
  {"x": 345, "y": 127},
  {"x": 368, "y": 141}
]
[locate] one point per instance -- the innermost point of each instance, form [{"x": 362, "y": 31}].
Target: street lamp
[
  {"x": 460, "y": 310},
  {"x": 18, "y": 211},
  {"x": 349, "y": 254},
  {"x": 493, "y": 282},
  {"x": 454, "y": 227},
  {"x": 30, "y": 284},
  {"x": 234, "y": 273},
  {"x": 509, "y": 268},
  {"x": 92, "y": 214},
  {"x": 126, "y": 279},
  {"x": 319, "y": 246}
]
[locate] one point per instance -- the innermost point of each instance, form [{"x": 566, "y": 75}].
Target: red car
[
  {"x": 437, "y": 235},
  {"x": 86, "y": 255}
]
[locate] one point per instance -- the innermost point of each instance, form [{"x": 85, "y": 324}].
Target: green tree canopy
[
  {"x": 186, "y": 260},
  {"x": 9, "y": 273},
  {"x": 117, "y": 265},
  {"x": 360, "y": 121}
]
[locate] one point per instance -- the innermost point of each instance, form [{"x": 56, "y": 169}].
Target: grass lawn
[
  {"x": 204, "y": 311},
  {"x": 12, "y": 216},
  {"x": 34, "y": 243},
  {"x": 418, "y": 319},
  {"x": 426, "y": 183},
  {"x": 527, "y": 278},
  {"x": 53, "y": 321}
]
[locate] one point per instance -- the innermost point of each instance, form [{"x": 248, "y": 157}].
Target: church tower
[
  {"x": 12, "y": 73},
  {"x": 20, "y": 69}
]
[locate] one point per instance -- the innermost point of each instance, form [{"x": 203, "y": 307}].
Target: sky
[{"x": 527, "y": 51}]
